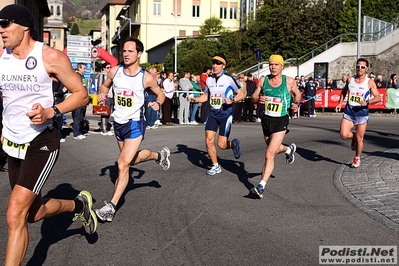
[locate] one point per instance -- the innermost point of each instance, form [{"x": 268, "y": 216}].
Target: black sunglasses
[
  {"x": 4, "y": 23},
  {"x": 361, "y": 66},
  {"x": 217, "y": 62}
]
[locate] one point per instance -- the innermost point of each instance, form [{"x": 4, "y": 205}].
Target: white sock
[
  {"x": 216, "y": 164},
  {"x": 288, "y": 151},
  {"x": 262, "y": 183}
]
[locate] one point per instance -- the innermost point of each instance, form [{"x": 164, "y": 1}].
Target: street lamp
[
  {"x": 175, "y": 14},
  {"x": 359, "y": 19},
  {"x": 130, "y": 23}
]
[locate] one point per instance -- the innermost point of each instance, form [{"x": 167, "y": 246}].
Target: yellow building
[{"x": 156, "y": 21}]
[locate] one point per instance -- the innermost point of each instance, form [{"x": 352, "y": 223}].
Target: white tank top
[
  {"x": 129, "y": 96},
  {"x": 23, "y": 83},
  {"x": 357, "y": 91}
]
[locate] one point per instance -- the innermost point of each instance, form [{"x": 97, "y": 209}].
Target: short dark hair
[
  {"x": 139, "y": 44},
  {"x": 363, "y": 60}
]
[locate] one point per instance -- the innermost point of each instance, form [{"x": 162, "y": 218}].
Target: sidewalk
[{"x": 374, "y": 187}]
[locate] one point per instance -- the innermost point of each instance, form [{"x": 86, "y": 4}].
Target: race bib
[
  {"x": 125, "y": 99},
  {"x": 273, "y": 106},
  {"x": 355, "y": 99},
  {"x": 15, "y": 150},
  {"x": 216, "y": 100}
]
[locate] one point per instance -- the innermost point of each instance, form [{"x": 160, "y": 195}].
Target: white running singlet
[
  {"x": 23, "y": 83},
  {"x": 129, "y": 96}
]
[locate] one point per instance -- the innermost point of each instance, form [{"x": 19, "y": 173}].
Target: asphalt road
[{"x": 183, "y": 217}]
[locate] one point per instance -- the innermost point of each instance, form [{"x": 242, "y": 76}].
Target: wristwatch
[
  {"x": 296, "y": 103},
  {"x": 57, "y": 113}
]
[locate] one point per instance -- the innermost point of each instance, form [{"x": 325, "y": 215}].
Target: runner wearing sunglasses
[
  {"x": 223, "y": 91},
  {"x": 356, "y": 112},
  {"x": 31, "y": 137}
]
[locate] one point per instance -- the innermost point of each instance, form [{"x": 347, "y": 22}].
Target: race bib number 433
[{"x": 15, "y": 150}]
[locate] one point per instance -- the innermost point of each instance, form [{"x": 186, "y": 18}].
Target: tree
[
  {"x": 212, "y": 25},
  {"x": 75, "y": 29}
]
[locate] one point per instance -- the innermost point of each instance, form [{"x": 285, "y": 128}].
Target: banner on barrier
[
  {"x": 330, "y": 99},
  {"x": 393, "y": 98}
]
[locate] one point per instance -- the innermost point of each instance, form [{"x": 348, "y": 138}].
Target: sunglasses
[
  {"x": 217, "y": 62},
  {"x": 108, "y": 67},
  {"x": 361, "y": 66},
  {"x": 4, "y": 23}
]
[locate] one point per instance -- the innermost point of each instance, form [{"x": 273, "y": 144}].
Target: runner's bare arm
[{"x": 58, "y": 66}]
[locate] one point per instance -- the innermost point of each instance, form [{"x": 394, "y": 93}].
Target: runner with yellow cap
[{"x": 274, "y": 91}]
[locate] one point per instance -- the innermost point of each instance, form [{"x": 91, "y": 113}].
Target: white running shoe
[
  {"x": 80, "y": 137},
  {"x": 164, "y": 162}
]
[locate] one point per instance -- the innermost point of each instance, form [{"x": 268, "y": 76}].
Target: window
[
  {"x": 177, "y": 9},
  {"x": 196, "y": 8},
  {"x": 223, "y": 10},
  {"x": 157, "y": 8},
  {"x": 233, "y": 10}
]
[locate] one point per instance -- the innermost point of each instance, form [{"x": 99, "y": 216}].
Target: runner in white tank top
[
  {"x": 129, "y": 81},
  {"x": 31, "y": 141},
  {"x": 361, "y": 91}
]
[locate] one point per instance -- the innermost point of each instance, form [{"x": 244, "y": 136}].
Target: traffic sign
[
  {"x": 78, "y": 38},
  {"x": 78, "y": 49},
  {"x": 94, "y": 52}
]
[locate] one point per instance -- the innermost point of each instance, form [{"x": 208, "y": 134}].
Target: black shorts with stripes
[{"x": 41, "y": 156}]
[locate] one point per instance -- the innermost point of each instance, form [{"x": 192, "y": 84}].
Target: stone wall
[{"x": 385, "y": 63}]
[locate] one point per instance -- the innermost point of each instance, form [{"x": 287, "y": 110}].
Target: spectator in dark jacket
[
  {"x": 248, "y": 112},
  {"x": 310, "y": 91}
]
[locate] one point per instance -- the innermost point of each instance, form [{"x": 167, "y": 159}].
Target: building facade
[{"x": 157, "y": 21}]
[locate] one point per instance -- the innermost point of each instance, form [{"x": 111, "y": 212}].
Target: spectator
[
  {"x": 320, "y": 82},
  {"x": 105, "y": 126},
  {"x": 151, "y": 115},
  {"x": 393, "y": 82},
  {"x": 238, "y": 107},
  {"x": 205, "y": 105},
  {"x": 168, "y": 89},
  {"x": 380, "y": 82},
  {"x": 371, "y": 76},
  {"x": 331, "y": 84},
  {"x": 78, "y": 115},
  {"x": 310, "y": 97},
  {"x": 341, "y": 84},
  {"x": 184, "y": 110},
  {"x": 248, "y": 110},
  {"x": 195, "y": 81}
]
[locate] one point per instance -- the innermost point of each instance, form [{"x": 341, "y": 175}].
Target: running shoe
[
  {"x": 164, "y": 162},
  {"x": 258, "y": 190},
  {"x": 216, "y": 169},
  {"x": 106, "y": 213},
  {"x": 356, "y": 162},
  {"x": 87, "y": 216},
  {"x": 236, "y": 148},
  {"x": 80, "y": 137},
  {"x": 290, "y": 158},
  {"x": 108, "y": 133},
  {"x": 353, "y": 143}
]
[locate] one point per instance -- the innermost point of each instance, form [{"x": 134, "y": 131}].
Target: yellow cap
[{"x": 277, "y": 58}]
